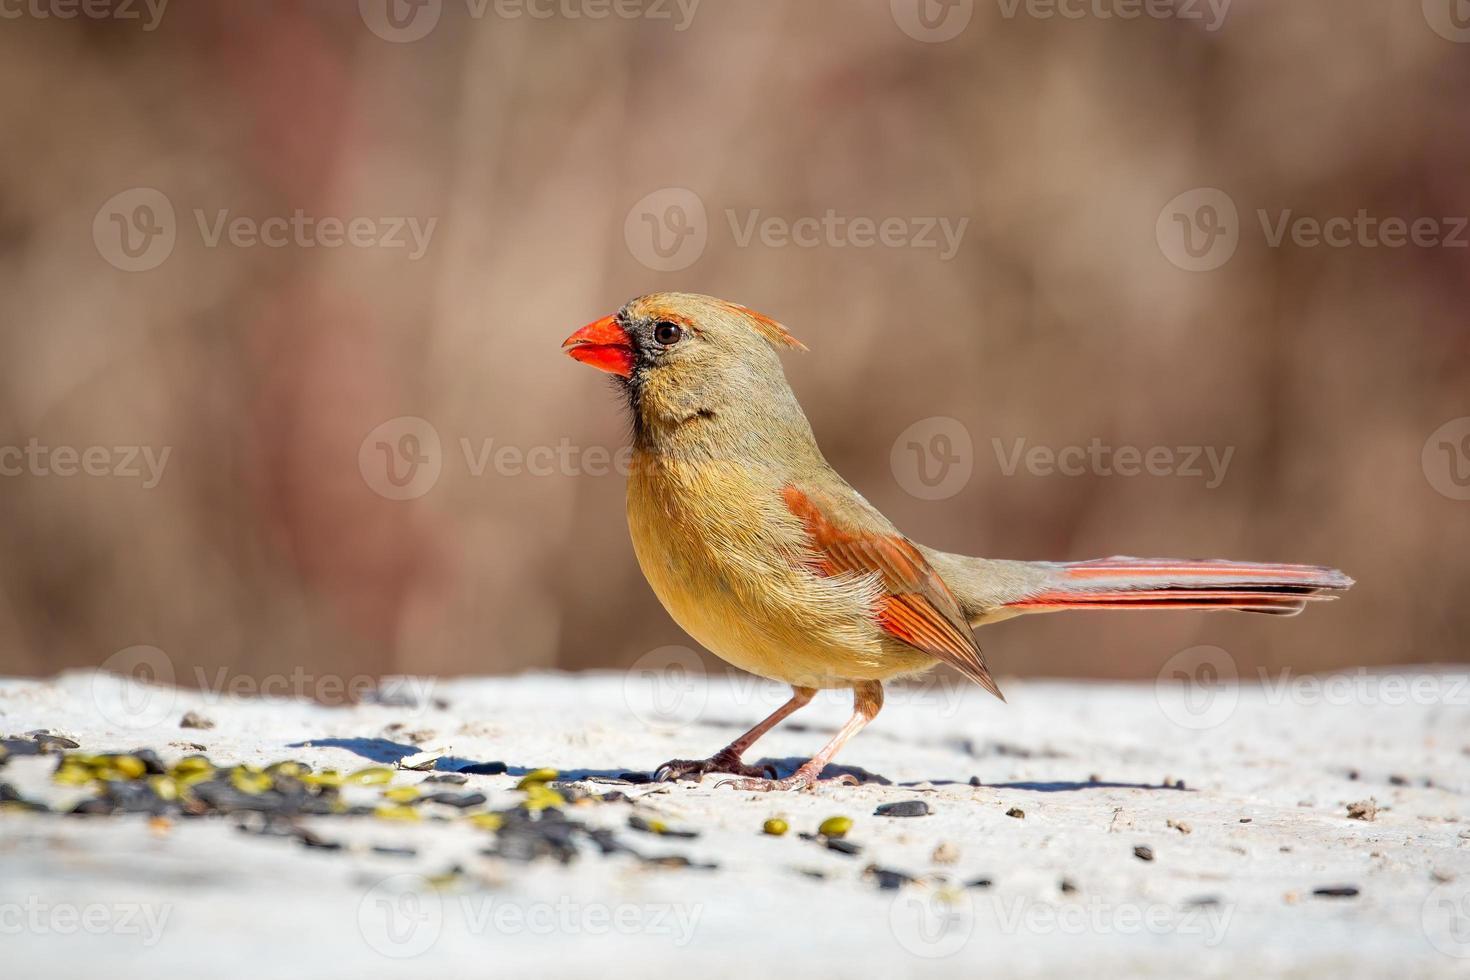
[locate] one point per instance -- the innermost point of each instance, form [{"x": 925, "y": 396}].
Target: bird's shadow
[{"x": 384, "y": 751}]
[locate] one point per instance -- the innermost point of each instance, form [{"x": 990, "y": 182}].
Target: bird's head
[{"x": 693, "y": 368}]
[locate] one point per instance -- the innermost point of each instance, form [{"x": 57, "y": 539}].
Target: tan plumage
[{"x": 766, "y": 556}]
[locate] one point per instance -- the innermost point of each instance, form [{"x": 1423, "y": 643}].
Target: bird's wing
[{"x": 917, "y": 607}]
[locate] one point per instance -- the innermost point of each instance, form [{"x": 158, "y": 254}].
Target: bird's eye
[{"x": 667, "y": 333}]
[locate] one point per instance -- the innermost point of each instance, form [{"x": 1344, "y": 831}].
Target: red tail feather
[{"x": 1166, "y": 583}]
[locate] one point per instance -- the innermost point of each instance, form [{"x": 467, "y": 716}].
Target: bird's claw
[
  {"x": 676, "y": 769},
  {"x": 798, "y": 780}
]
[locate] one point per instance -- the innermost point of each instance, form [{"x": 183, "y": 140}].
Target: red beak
[{"x": 604, "y": 344}]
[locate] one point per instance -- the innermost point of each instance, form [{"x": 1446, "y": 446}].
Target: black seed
[
  {"x": 447, "y": 777},
  {"x": 407, "y": 852},
  {"x": 1067, "y": 886},
  {"x": 887, "y": 878},
  {"x": 979, "y": 883},
  {"x": 484, "y": 769},
  {"x": 843, "y": 846},
  {"x": 1204, "y": 900},
  {"x": 1016, "y": 812},
  {"x": 1143, "y": 852},
  {"x": 906, "y": 808},
  {"x": 1336, "y": 891},
  {"x": 460, "y": 800}
]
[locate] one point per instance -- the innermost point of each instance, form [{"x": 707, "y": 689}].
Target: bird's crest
[{"x": 776, "y": 334}]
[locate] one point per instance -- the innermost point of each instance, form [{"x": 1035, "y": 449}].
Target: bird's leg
[
  {"x": 867, "y": 701},
  {"x": 728, "y": 758}
]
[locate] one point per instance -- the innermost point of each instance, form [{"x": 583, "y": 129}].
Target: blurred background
[{"x": 285, "y": 284}]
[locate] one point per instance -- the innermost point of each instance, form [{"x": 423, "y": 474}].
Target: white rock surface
[{"x": 1268, "y": 773}]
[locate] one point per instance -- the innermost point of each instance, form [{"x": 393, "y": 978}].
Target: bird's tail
[{"x": 1167, "y": 583}]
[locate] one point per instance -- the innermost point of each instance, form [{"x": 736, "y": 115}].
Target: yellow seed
[
  {"x": 487, "y": 821},
  {"x": 164, "y": 787},
  {"x": 401, "y": 794},
  {"x": 125, "y": 767},
  {"x": 371, "y": 776},
  {"x": 326, "y": 779},
  {"x": 835, "y": 827},
  {"x": 248, "y": 780},
  {"x": 396, "y": 813},
  {"x": 538, "y": 797},
  {"x": 537, "y": 777},
  {"x": 191, "y": 764},
  {"x": 775, "y": 827},
  {"x": 72, "y": 774}
]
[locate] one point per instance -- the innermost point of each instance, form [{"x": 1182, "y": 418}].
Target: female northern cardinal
[{"x": 762, "y": 553}]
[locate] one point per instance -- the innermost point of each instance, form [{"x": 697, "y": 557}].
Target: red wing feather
[{"x": 918, "y": 608}]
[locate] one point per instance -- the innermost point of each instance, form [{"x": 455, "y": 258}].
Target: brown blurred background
[{"x": 533, "y": 142}]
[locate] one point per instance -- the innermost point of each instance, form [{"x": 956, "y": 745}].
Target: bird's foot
[
  {"x": 805, "y": 778},
  {"x": 676, "y": 769}
]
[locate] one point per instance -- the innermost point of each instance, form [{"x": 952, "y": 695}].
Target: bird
[{"x": 766, "y": 556}]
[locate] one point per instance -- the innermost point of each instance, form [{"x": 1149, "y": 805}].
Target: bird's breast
[{"x": 730, "y": 564}]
